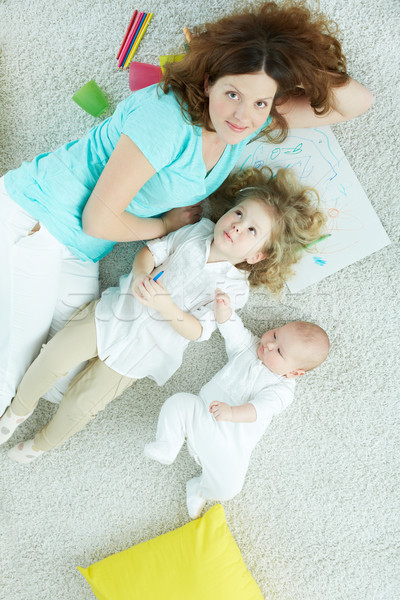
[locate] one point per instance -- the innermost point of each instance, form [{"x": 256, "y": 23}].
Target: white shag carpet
[{"x": 318, "y": 517}]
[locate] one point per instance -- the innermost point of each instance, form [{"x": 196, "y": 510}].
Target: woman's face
[{"x": 240, "y": 104}]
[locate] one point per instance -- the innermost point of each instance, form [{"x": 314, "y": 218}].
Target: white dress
[{"x": 133, "y": 339}]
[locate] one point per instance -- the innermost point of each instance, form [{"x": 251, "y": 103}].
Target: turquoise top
[{"x": 55, "y": 186}]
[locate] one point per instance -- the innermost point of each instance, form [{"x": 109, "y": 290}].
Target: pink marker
[
  {"x": 124, "y": 51},
  {"x": 127, "y": 33}
]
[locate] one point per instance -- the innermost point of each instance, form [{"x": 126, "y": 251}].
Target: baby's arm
[
  {"x": 246, "y": 413},
  {"x": 237, "y": 337},
  {"x": 222, "y": 306}
]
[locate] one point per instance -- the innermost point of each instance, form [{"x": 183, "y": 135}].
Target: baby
[{"x": 257, "y": 383}]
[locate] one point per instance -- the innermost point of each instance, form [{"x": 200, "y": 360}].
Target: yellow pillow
[{"x": 199, "y": 561}]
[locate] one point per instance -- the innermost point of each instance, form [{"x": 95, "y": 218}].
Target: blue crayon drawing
[
  {"x": 319, "y": 162},
  {"x": 319, "y": 261},
  {"x": 309, "y": 153}
]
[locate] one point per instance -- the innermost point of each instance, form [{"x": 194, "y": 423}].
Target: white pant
[
  {"x": 42, "y": 284},
  {"x": 222, "y": 448}
]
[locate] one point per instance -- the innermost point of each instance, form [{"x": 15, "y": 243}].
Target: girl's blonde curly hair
[{"x": 298, "y": 219}]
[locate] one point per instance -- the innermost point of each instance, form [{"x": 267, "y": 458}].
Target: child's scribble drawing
[
  {"x": 319, "y": 261},
  {"x": 318, "y": 160}
]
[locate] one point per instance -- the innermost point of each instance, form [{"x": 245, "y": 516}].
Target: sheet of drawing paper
[{"x": 318, "y": 160}]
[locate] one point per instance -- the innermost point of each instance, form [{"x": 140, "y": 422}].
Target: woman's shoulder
[
  {"x": 151, "y": 100},
  {"x": 153, "y": 119}
]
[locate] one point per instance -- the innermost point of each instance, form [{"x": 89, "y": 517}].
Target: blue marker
[{"x": 158, "y": 276}]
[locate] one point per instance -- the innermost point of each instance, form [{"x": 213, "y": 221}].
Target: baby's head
[
  {"x": 293, "y": 349},
  {"x": 294, "y": 214}
]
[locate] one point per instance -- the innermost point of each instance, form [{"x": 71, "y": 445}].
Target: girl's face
[
  {"x": 242, "y": 233},
  {"x": 240, "y": 104}
]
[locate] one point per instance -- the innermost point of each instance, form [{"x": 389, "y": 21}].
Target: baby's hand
[
  {"x": 222, "y": 306},
  {"x": 154, "y": 295},
  {"x": 221, "y": 411}
]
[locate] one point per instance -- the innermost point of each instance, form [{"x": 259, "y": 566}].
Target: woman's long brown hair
[{"x": 289, "y": 42}]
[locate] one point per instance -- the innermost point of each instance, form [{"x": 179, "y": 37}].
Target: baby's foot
[
  {"x": 24, "y": 452},
  {"x": 161, "y": 452},
  {"x": 9, "y": 423},
  {"x": 194, "y": 502}
]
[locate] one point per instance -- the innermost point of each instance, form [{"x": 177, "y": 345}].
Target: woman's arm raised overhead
[
  {"x": 348, "y": 101},
  {"x": 105, "y": 215}
]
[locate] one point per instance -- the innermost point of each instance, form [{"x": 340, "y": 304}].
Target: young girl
[
  {"x": 267, "y": 68},
  {"x": 141, "y": 328}
]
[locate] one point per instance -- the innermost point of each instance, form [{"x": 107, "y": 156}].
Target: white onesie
[{"x": 222, "y": 448}]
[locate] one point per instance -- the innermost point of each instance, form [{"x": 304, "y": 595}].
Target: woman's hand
[
  {"x": 348, "y": 101},
  {"x": 179, "y": 217}
]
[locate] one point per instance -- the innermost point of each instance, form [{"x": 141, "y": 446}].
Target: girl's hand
[
  {"x": 221, "y": 411},
  {"x": 154, "y": 295},
  {"x": 179, "y": 217},
  {"x": 222, "y": 306},
  {"x": 138, "y": 282}
]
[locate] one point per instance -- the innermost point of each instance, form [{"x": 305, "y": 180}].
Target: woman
[{"x": 261, "y": 71}]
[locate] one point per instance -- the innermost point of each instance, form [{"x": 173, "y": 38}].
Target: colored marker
[
  {"x": 134, "y": 39},
  {"x": 324, "y": 237},
  {"x": 127, "y": 32},
  {"x": 141, "y": 33},
  {"x": 133, "y": 36},
  {"x": 158, "y": 276},
  {"x": 129, "y": 40}
]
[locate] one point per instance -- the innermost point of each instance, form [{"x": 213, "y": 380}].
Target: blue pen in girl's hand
[{"x": 158, "y": 275}]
